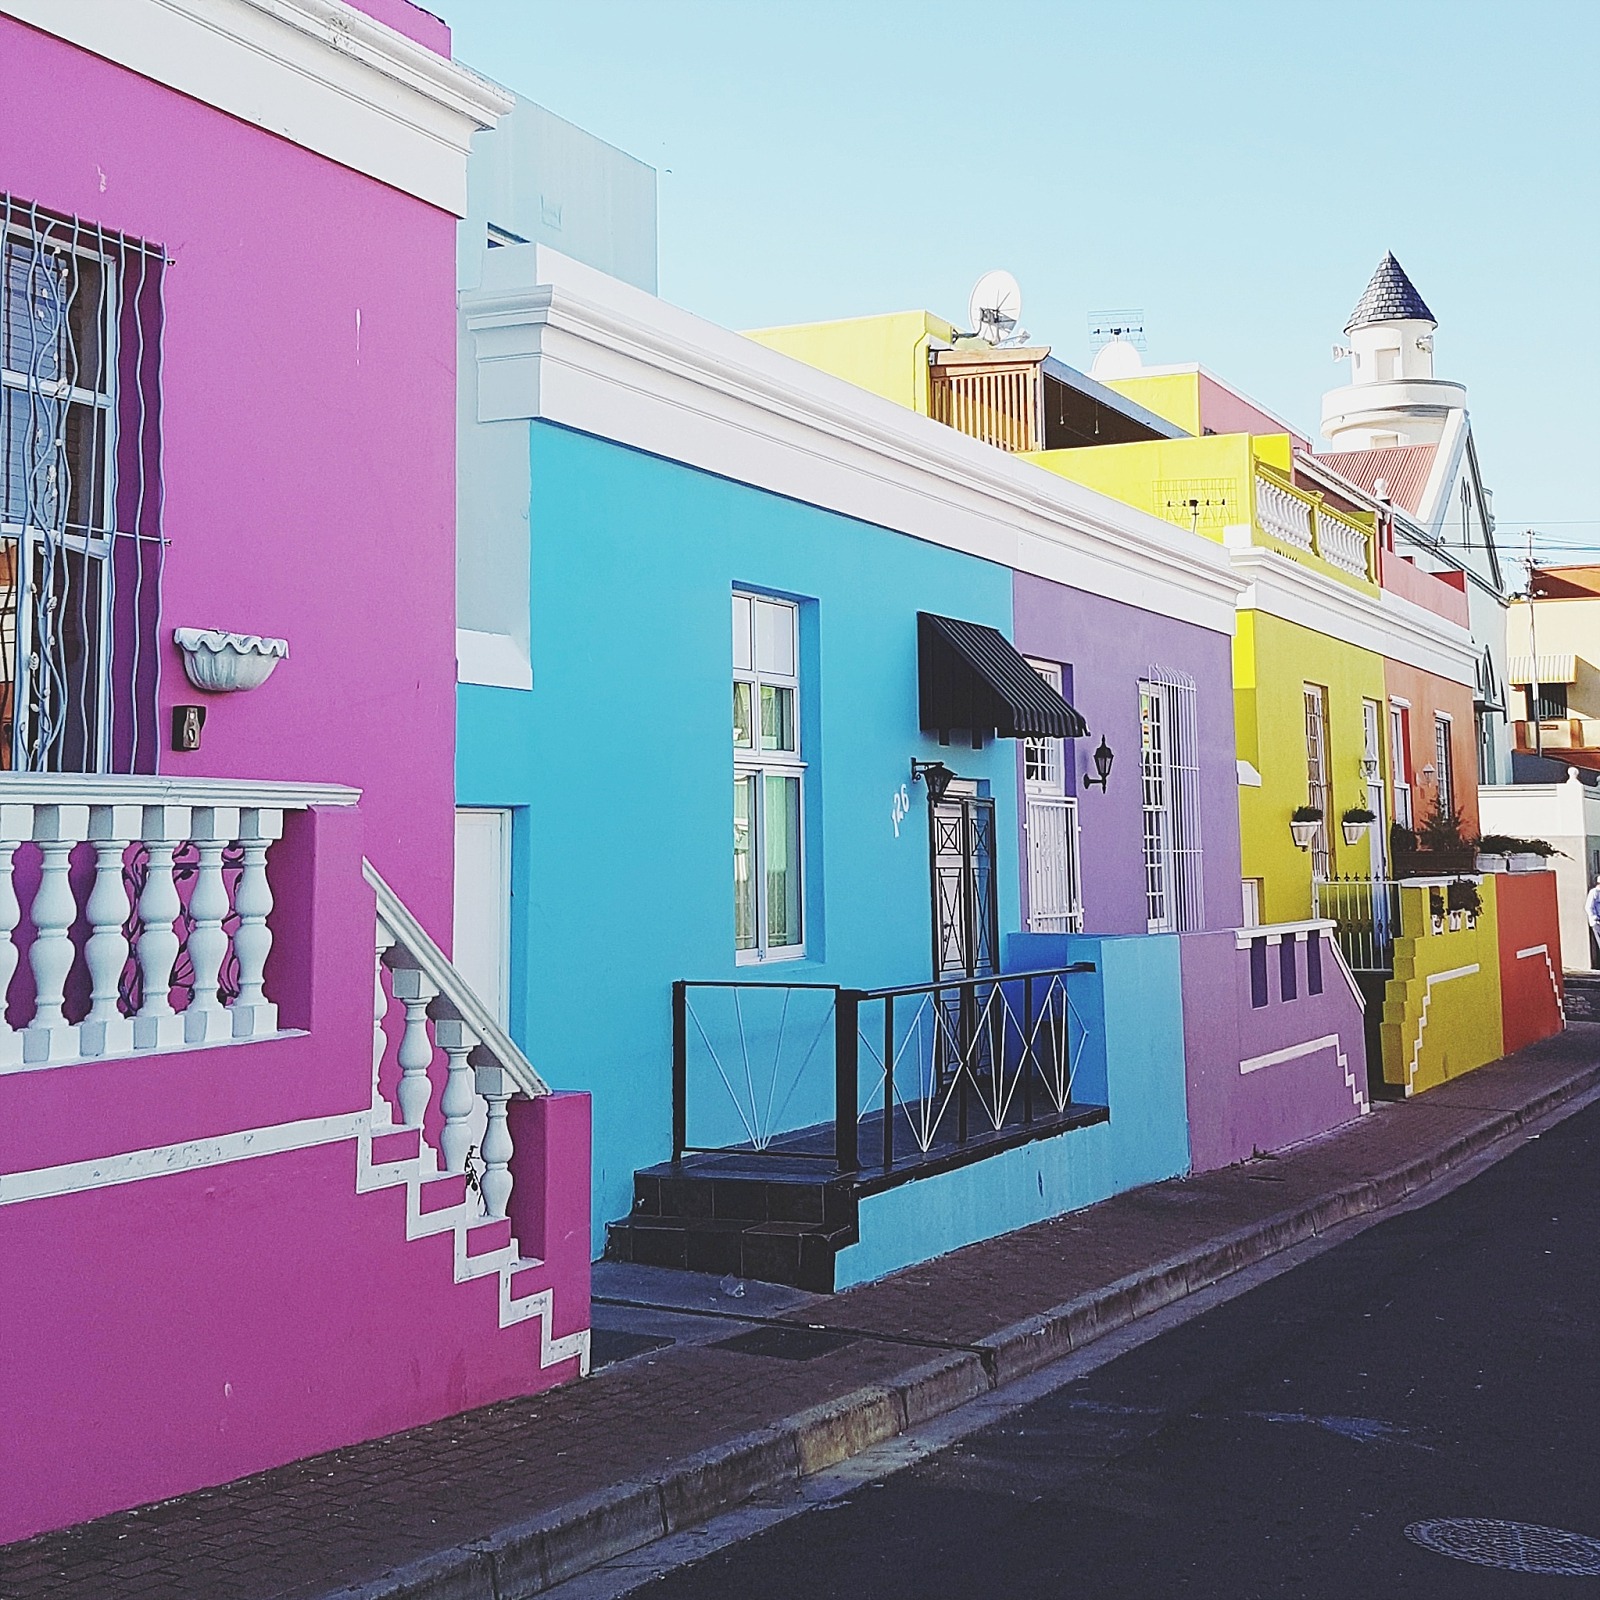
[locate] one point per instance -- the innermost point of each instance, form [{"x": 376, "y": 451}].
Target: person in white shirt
[{"x": 1591, "y": 909}]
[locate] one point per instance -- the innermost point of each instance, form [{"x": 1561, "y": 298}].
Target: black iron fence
[{"x": 875, "y": 1078}]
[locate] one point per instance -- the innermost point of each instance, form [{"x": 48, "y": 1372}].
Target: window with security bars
[
  {"x": 768, "y": 780},
  {"x": 1055, "y": 876},
  {"x": 1445, "y": 765},
  {"x": 1319, "y": 791},
  {"x": 1170, "y": 779},
  {"x": 80, "y": 494}
]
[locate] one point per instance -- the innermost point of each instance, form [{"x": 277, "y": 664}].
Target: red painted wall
[{"x": 1530, "y": 957}]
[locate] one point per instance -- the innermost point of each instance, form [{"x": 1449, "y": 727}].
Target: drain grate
[
  {"x": 787, "y": 1342},
  {"x": 1510, "y": 1546}
]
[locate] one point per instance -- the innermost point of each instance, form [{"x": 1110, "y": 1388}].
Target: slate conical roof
[{"x": 1390, "y": 297}]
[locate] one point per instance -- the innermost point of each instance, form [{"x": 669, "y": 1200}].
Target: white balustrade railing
[
  {"x": 1282, "y": 513},
  {"x": 442, "y": 1015},
  {"x": 170, "y": 879},
  {"x": 1342, "y": 544}
]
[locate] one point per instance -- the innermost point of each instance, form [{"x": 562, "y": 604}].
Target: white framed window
[
  {"x": 1169, "y": 765},
  {"x": 1372, "y": 769},
  {"x": 1055, "y": 871},
  {"x": 1400, "y": 761},
  {"x": 1319, "y": 791},
  {"x": 1444, "y": 764},
  {"x": 1252, "y": 897},
  {"x": 768, "y": 781}
]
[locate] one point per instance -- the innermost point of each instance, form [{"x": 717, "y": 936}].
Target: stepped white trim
[
  {"x": 1549, "y": 967},
  {"x": 1296, "y": 1052},
  {"x": 459, "y": 1220},
  {"x": 316, "y": 72},
  {"x": 1422, "y": 1022}
]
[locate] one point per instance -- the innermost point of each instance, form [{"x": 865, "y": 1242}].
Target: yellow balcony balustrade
[{"x": 1290, "y": 516}]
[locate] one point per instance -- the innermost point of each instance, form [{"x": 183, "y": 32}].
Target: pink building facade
[{"x": 251, "y": 1206}]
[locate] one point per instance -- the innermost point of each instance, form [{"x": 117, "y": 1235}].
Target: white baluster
[
  {"x": 105, "y": 1031},
  {"x": 157, "y": 1025},
  {"x": 56, "y": 829},
  {"x": 459, "y": 1100},
  {"x": 213, "y": 829},
  {"x": 415, "y": 992},
  {"x": 382, "y": 1116},
  {"x": 16, "y": 824},
  {"x": 253, "y": 1014},
  {"x": 495, "y": 1085}
]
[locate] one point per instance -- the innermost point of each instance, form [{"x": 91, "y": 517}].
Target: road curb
[{"x": 525, "y": 1559}]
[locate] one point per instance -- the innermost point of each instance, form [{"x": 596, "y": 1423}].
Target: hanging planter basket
[
  {"x": 224, "y": 663},
  {"x": 1304, "y": 833},
  {"x": 1353, "y": 831}
]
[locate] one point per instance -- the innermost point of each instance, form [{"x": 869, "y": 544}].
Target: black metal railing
[{"x": 948, "y": 1065}]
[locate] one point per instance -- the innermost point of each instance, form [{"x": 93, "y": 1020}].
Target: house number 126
[{"x": 901, "y": 809}]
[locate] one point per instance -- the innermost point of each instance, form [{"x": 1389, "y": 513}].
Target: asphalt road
[{"x": 1443, "y": 1364}]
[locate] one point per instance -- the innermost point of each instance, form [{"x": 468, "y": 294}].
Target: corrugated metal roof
[
  {"x": 1389, "y": 297},
  {"x": 1404, "y": 468},
  {"x": 1521, "y": 670},
  {"x": 970, "y": 676}
]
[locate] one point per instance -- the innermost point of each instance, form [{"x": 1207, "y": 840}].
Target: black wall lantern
[
  {"x": 936, "y": 775},
  {"x": 1102, "y": 765}
]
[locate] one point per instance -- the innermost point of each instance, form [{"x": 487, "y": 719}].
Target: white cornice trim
[
  {"x": 559, "y": 342},
  {"x": 316, "y": 72},
  {"x": 1384, "y": 624}
]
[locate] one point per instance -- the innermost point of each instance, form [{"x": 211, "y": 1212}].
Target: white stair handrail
[{"x": 455, "y": 995}]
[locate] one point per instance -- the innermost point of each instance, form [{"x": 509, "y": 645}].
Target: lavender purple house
[{"x": 251, "y": 1205}]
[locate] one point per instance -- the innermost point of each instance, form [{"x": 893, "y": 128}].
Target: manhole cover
[{"x": 1510, "y": 1546}]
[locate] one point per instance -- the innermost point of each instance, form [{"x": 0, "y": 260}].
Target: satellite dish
[{"x": 995, "y": 307}]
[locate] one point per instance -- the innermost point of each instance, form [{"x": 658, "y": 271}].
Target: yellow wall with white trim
[
  {"x": 1434, "y": 1032},
  {"x": 1273, "y": 660}
]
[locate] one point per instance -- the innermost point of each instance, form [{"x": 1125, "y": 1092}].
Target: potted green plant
[
  {"x": 1355, "y": 822},
  {"x": 1303, "y": 824},
  {"x": 1463, "y": 898}
]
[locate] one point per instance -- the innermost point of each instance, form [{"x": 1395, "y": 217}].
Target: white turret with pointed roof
[{"x": 1393, "y": 397}]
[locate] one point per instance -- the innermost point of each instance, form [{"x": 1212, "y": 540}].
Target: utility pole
[{"x": 1533, "y": 642}]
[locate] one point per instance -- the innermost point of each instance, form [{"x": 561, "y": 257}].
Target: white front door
[{"x": 481, "y": 939}]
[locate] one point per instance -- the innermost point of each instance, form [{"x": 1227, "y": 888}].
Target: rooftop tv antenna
[
  {"x": 1127, "y": 324},
  {"x": 995, "y": 309}
]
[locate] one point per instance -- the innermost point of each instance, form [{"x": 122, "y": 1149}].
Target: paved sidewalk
[{"x": 505, "y": 1501}]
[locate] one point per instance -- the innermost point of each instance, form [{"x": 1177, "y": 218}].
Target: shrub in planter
[{"x": 1463, "y": 895}]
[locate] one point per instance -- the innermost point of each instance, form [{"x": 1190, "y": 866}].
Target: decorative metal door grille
[
  {"x": 1055, "y": 894},
  {"x": 1317, "y": 789},
  {"x": 966, "y": 911},
  {"x": 80, "y": 494}
]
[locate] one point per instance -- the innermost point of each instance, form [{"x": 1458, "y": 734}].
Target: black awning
[{"x": 971, "y": 677}]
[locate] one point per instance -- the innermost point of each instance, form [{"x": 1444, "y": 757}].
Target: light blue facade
[
  {"x": 618, "y": 763},
  {"x": 1132, "y": 1007}
]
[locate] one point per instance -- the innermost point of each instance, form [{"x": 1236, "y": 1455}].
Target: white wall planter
[
  {"x": 1353, "y": 831},
  {"x": 1493, "y": 862},
  {"x": 1304, "y": 833},
  {"x": 224, "y": 663},
  {"x": 1526, "y": 861}
]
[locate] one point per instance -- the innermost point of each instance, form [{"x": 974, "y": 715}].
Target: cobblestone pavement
[{"x": 345, "y": 1519}]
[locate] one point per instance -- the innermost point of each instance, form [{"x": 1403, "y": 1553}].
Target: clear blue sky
[{"x": 1234, "y": 168}]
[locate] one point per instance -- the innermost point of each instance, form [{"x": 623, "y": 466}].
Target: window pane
[
  {"x": 35, "y": 333},
  {"x": 741, "y": 633},
  {"x": 775, "y": 637},
  {"x": 777, "y": 718},
  {"x": 781, "y": 848},
  {"x": 744, "y": 883},
  {"x": 743, "y": 735}
]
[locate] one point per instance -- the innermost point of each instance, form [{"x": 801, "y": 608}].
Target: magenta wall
[
  {"x": 1109, "y": 647},
  {"x": 1233, "y": 1114},
  {"x": 309, "y": 420},
  {"x": 185, "y": 1329}
]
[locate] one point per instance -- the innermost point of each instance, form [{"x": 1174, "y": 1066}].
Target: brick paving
[{"x": 346, "y": 1518}]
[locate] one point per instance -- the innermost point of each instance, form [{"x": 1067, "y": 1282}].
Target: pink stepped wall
[
  {"x": 189, "y": 1328},
  {"x": 1232, "y": 1113}
]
